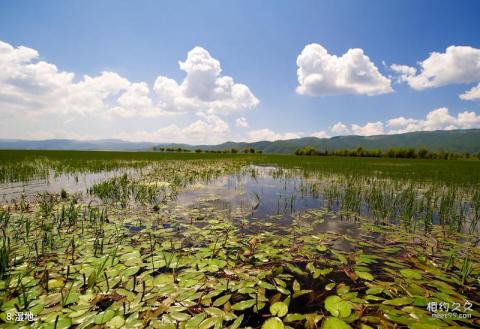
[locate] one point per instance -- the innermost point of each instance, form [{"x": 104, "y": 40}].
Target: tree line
[
  {"x": 406, "y": 153},
  {"x": 246, "y": 150}
]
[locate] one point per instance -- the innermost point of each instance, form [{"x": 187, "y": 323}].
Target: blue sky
[{"x": 257, "y": 43}]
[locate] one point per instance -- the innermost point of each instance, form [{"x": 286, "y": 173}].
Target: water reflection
[
  {"x": 259, "y": 194},
  {"x": 268, "y": 202},
  {"x": 71, "y": 183}
]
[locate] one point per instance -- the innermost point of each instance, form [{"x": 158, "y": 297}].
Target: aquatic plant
[{"x": 106, "y": 259}]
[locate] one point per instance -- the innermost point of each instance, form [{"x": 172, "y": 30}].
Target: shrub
[{"x": 423, "y": 153}]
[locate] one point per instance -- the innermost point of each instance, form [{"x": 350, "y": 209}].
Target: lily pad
[
  {"x": 337, "y": 306},
  {"x": 273, "y": 323},
  {"x": 334, "y": 323},
  {"x": 279, "y": 309}
]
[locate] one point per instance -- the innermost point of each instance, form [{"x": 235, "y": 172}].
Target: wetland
[{"x": 137, "y": 240}]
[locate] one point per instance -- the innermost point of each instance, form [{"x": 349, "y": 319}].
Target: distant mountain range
[
  {"x": 71, "y": 144},
  {"x": 465, "y": 140}
]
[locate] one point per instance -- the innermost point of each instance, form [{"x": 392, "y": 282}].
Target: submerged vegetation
[{"x": 196, "y": 240}]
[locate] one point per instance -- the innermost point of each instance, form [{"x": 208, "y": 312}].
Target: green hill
[{"x": 460, "y": 141}]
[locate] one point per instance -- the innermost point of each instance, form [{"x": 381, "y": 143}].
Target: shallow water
[
  {"x": 262, "y": 194},
  {"x": 265, "y": 199},
  {"x": 256, "y": 193},
  {"x": 71, "y": 183}
]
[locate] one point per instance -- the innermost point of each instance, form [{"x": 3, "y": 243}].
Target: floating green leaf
[
  {"x": 273, "y": 323},
  {"x": 279, "y": 309},
  {"x": 104, "y": 317},
  {"x": 337, "y": 306},
  {"x": 222, "y": 300},
  {"x": 364, "y": 275},
  {"x": 411, "y": 274},
  {"x": 399, "y": 301},
  {"x": 243, "y": 305},
  {"x": 334, "y": 323},
  {"x": 116, "y": 322}
]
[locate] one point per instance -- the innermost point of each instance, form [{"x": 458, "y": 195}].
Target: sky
[{"x": 205, "y": 72}]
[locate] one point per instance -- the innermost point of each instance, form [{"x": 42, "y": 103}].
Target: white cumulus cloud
[
  {"x": 399, "y": 122},
  {"x": 472, "y": 94},
  {"x": 38, "y": 95},
  {"x": 404, "y": 72},
  {"x": 371, "y": 128},
  {"x": 269, "y": 135},
  {"x": 457, "y": 65},
  {"x": 209, "y": 129},
  {"x": 203, "y": 88},
  {"x": 438, "y": 119},
  {"x": 241, "y": 122},
  {"x": 28, "y": 84},
  {"x": 135, "y": 101},
  {"x": 340, "y": 129},
  {"x": 320, "y": 73},
  {"x": 320, "y": 134}
]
